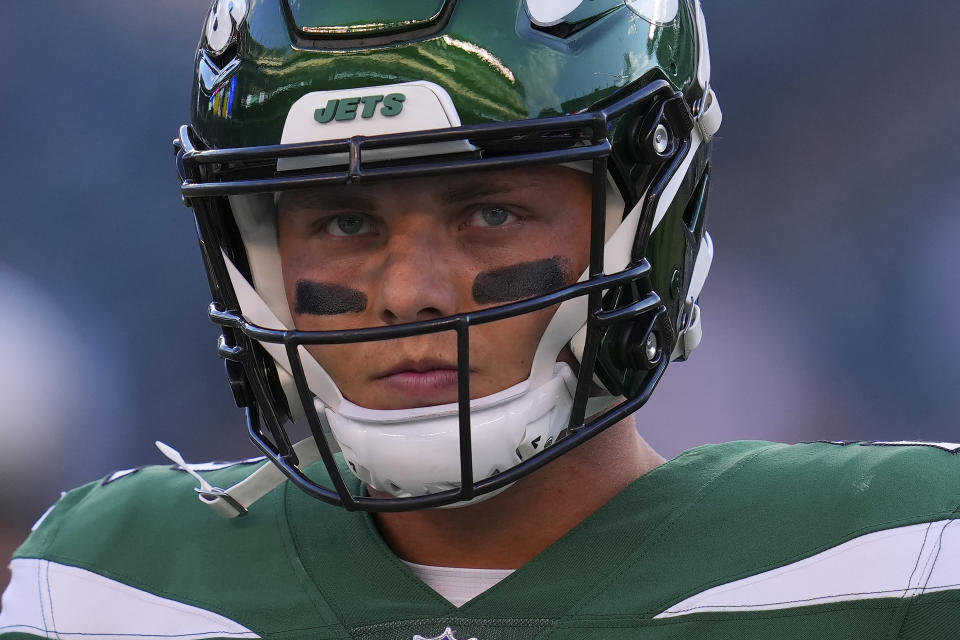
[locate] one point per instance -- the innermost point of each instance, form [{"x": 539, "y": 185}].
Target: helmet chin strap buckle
[
  {"x": 689, "y": 335},
  {"x": 235, "y": 501},
  {"x": 216, "y": 493},
  {"x": 689, "y": 328},
  {"x": 207, "y": 492},
  {"x": 709, "y": 116}
]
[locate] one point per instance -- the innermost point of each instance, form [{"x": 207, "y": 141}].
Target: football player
[{"x": 453, "y": 247}]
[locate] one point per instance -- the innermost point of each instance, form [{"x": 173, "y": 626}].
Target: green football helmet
[{"x": 292, "y": 95}]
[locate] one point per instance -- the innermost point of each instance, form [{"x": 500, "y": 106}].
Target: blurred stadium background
[{"x": 829, "y": 313}]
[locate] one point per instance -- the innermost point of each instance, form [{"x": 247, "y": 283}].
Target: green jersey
[{"x": 735, "y": 541}]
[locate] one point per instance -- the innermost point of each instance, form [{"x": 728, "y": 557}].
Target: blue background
[{"x": 830, "y": 312}]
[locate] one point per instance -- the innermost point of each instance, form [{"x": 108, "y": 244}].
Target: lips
[
  {"x": 428, "y": 380},
  {"x": 418, "y": 366}
]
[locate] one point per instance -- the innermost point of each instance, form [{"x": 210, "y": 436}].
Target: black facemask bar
[{"x": 210, "y": 175}]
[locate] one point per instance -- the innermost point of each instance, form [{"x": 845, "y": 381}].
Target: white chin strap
[{"x": 236, "y": 500}]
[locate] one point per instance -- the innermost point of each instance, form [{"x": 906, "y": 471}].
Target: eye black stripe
[
  {"x": 520, "y": 281},
  {"x": 326, "y": 299}
]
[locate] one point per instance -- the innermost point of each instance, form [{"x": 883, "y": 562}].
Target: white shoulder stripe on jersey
[
  {"x": 894, "y": 563},
  {"x": 52, "y": 600},
  {"x": 952, "y": 447}
]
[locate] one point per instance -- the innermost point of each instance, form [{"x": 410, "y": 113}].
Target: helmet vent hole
[
  {"x": 566, "y": 29},
  {"x": 693, "y": 215}
]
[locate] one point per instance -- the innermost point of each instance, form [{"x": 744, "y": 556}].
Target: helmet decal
[
  {"x": 223, "y": 22},
  {"x": 223, "y": 99},
  {"x": 329, "y": 115},
  {"x": 348, "y": 108}
]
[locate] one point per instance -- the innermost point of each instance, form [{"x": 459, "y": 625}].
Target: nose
[{"x": 416, "y": 280}]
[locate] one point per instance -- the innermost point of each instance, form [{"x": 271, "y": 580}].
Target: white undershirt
[{"x": 457, "y": 584}]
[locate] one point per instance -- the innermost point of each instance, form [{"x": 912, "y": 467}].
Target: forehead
[{"x": 550, "y": 183}]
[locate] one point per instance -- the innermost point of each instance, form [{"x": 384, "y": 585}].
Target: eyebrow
[
  {"x": 353, "y": 198},
  {"x": 331, "y": 197},
  {"x": 479, "y": 189}
]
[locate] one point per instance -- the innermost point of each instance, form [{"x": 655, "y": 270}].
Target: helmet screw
[
  {"x": 651, "y": 348},
  {"x": 661, "y": 139},
  {"x": 675, "y": 283}
]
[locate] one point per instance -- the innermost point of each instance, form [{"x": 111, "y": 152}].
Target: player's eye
[
  {"x": 491, "y": 216},
  {"x": 349, "y": 224}
]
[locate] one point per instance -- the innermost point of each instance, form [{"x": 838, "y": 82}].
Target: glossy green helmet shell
[{"x": 495, "y": 62}]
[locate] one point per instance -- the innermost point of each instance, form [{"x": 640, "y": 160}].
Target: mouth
[{"x": 432, "y": 381}]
